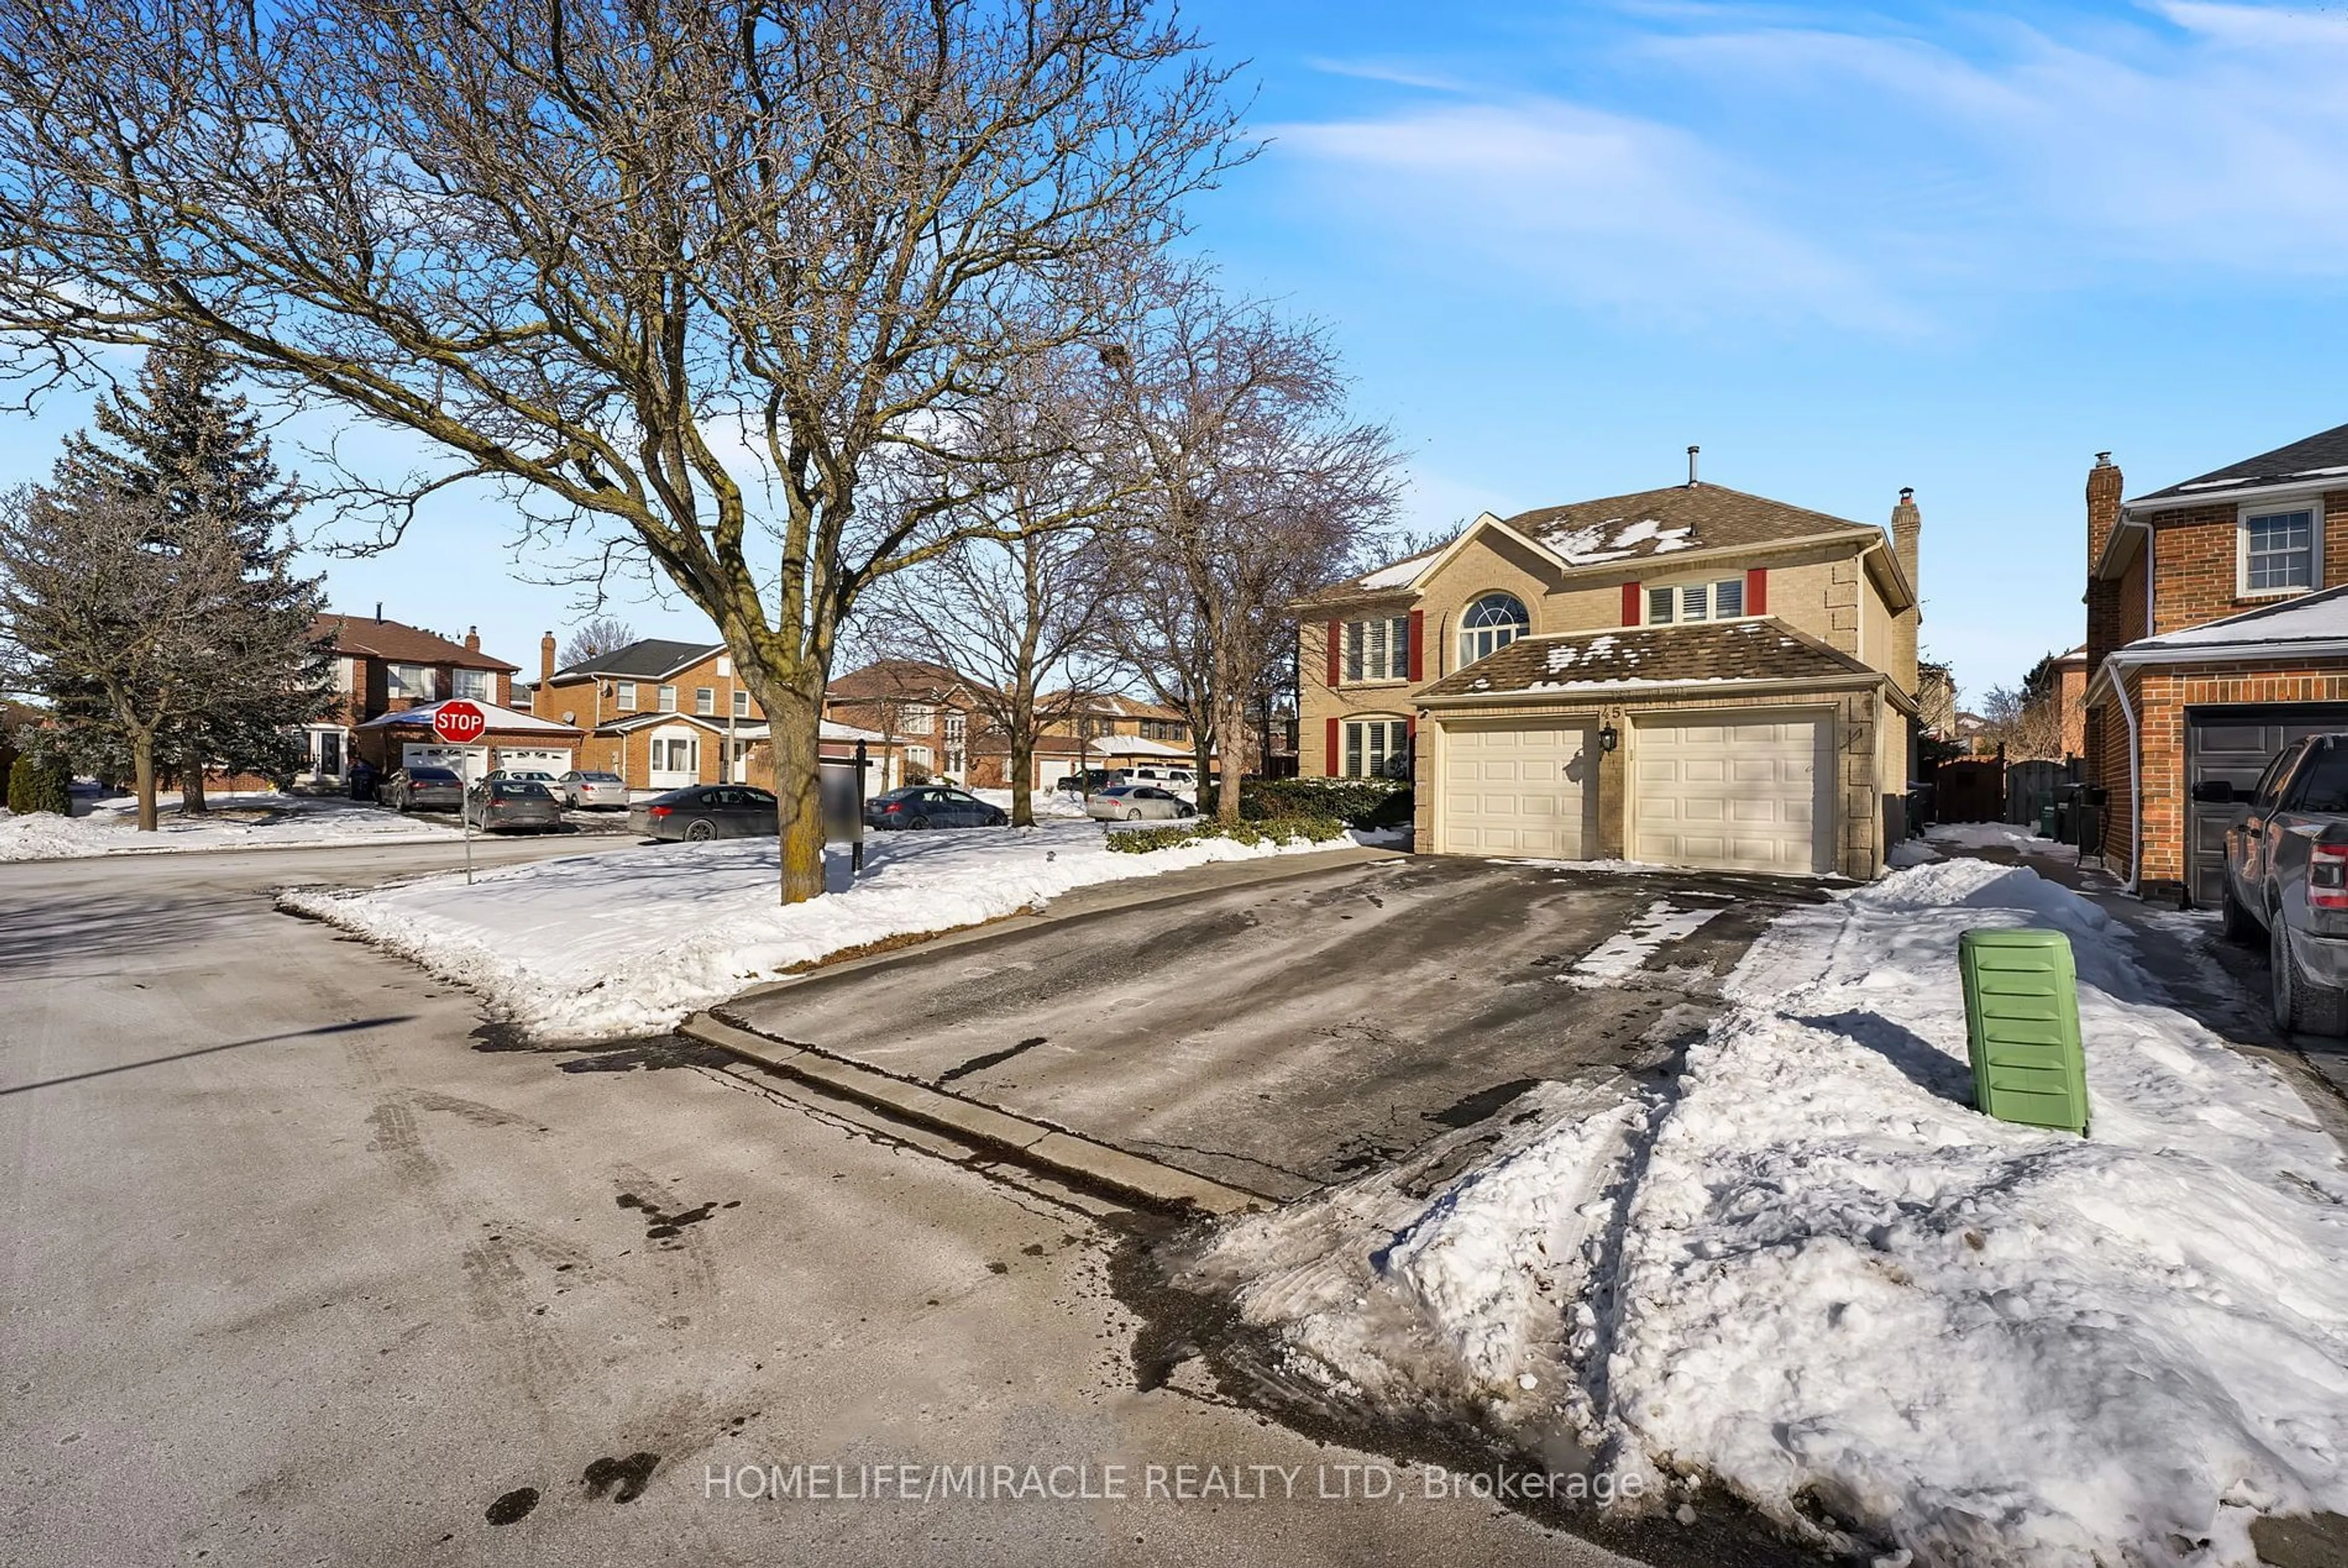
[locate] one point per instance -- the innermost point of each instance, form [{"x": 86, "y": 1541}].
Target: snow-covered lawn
[
  {"x": 629, "y": 941},
  {"x": 236, "y": 822},
  {"x": 1050, "y": 805},
  {"x": 1816, "y": 1277}
]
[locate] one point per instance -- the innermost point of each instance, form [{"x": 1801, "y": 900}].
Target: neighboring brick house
[
  {"x": 2071, "y": 699},
  {"x": 1690, "y": 676},
  {"x": 661, "y": 714},
  {"x": 2214, "y": 638},
  {"x": 926, "y": 711},
  {"x": 390, "y": 678}
]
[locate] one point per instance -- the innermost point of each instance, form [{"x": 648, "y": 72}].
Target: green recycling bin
[{"x": 2022, "y": 1026}]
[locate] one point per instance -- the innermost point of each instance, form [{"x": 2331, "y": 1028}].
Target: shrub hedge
[
  {"x": 36, "y": 784},
  {"x": 1357, "y": 803},
  {"x": 1268, "y": 830}
]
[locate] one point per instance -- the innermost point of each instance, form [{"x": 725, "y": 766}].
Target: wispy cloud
[{"x": 1766, "y": 165}]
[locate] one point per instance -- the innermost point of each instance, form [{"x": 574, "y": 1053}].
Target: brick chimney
[
  {"x": 472, "y": 640},
  {"x": 2103, "y": 506},
  {"x": 1906, "y": 535},
  {"x": 546, "y": 660}
]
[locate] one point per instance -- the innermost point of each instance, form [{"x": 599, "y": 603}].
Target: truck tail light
[{"x": 2327, "y": 876}]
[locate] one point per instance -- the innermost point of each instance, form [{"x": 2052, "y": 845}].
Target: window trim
[
  {"x": 1350, "y": 750},
  {"x": 1523, "y": 624},
  {"x": 2313, "y": 507},
  {"x": 623, "y": 696},
  {"x": 704, "y": 701},
  {"x": 741, "y": 703},
  {"x": 666, "y": 699},
  {"x": 1677, "y": 587},
  {"x": 1354, "y": 664}
]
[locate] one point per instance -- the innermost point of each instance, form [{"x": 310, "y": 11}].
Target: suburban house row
[{"x": 663, "y": 714}]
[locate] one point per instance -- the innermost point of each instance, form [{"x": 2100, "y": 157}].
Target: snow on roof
[
  {"x": 1402, "y": 573},
  {"x": 498, "y": 718},
  {"x": 1594, "y": 544},
  {"x": 2309, "y": 618}
]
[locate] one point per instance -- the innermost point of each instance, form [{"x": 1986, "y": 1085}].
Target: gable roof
[
  {"x": 2324, "y": 456},
  {"x": 647, "y": 658},
  {"x": 1704, "y": 652},
  {"x": 1637, "y": 527},
  {"x": 894, "y": 679},
  {"x": 500, "y": 718},
  {"x": 399, "y": 643}
]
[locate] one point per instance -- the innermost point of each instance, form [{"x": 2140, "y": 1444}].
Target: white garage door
[
  {"x": 1519, "y": 790},
  {"x": 470, "y": 762},
  {"x": 1732, "y": 794},
  {"x": 526, "y": 759}
]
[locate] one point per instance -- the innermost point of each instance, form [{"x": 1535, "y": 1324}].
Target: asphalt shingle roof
[
  {"x": 400, "y": 643},
  {"x": 649, "y": 656},
  {"x": 1701, "y": 653},
  {"x": 2316, "y": 456}
]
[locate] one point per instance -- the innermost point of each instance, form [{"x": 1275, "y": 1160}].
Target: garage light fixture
[{"x": 1608, "y": 738}]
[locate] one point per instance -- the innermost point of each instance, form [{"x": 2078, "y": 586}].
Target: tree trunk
[
  {"x": 1021, "y": 741},
  {"x": 794, "y": 720},
  {"x": 192, "y": 791},
  {"x": 142, "y": 766},
  {"x": 1230, "y": 749}
]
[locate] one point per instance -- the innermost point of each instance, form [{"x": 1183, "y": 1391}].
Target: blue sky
[{"x": 1963, "y": 248}]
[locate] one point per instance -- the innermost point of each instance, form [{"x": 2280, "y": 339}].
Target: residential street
[{"x": 297, "y": 1273}]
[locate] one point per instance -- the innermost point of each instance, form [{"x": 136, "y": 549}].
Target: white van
[{"x": 1182, "y": 778}]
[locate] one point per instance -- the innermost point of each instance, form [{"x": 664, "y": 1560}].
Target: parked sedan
[
  {"x": 931, "y": 806},
  {"x": 511, "y": 806},
  {"x": 423, "y": 789},
  {"x": 1135, "y": 803},
  {"x": 699, "y": 812},
  {"x": 595, "y": 791}
]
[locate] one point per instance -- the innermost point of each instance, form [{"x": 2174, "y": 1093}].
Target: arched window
[{"x": 1491, "y": 623}]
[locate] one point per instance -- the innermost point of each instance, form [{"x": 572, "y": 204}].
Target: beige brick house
[
  {"x": 1690, "y": 676},
  {"x": 2216, "y": 635}
]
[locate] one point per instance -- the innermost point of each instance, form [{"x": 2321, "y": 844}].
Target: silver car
[
  {"x": 1137, "y": 803},
  {"x": 592, "y": 791},
  {"x": 511, "y": 806}
]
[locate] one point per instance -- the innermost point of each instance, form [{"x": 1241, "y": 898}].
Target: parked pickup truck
[{"x": 2287, "y": 879}]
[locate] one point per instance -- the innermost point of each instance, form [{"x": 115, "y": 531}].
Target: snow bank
[
  {"x": 1985, "y": 835},
  {"x": 1819, "y": 1278},
  {"x": 629, "y": 941},
  {"x": 235, "y": 822}
]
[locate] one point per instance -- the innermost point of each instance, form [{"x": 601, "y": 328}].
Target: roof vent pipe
[
  {"x": 1691, "y": 451},
  {"x": 378, "y": 612}
]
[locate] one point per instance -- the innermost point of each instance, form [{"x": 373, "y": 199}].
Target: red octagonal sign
[{"x": 459, "y": 722}]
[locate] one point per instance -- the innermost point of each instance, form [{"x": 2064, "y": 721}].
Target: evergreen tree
[{"x": 181, "y": 443}]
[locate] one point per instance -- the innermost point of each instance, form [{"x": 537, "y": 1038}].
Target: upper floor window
[
  {"x": 623, "y": 696},
  {"x": 1678, "y": 601},
  {"x": 413, "y": 682},
  {"x": 741, "y": 705},
  {"x": 918, "y": 716},
  {"x": 705, "y": 699},
  {"x": 1378, "y": 650},
  {"x": 1491, "y": 623},
  {"x": 668, "y": 699},
  {"x": 724, "y": 666},
  {"x": 473, "y": 684},
  {"x": 2278, "y": 550}
]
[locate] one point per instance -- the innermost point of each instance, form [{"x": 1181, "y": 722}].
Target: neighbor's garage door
[
  {"x": 469, "y": 762},
  {"x": 1733, "y": 793},
  {"x": 1519, "y": 790},
  {"x": 2235, "y": 744},
  {"x": 526, "y": 759}
]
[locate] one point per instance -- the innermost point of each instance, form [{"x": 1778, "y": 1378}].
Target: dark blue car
[{"x": 931, "y": 806}]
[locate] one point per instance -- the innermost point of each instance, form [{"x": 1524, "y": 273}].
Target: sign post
[
  {"x": 460, "y": 724},
  {"x": 855, "y": 832}
]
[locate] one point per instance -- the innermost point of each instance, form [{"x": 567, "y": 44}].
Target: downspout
[{"x": 2112, "y": 662}]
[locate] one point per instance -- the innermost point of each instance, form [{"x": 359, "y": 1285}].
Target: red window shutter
[
  {"x": 1629, "y": 604},
  {"x": 1336, "y": 649},
  {"x": 1333, "y": 757},
  {"x": 1757, "y": 591},
  {"x": 1418, "y": 645}
]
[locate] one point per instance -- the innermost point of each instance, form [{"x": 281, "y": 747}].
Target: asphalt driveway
[{"x": 1281, "y": 1035}]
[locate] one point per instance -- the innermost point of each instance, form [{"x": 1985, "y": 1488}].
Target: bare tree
[
  {"x": 1025, "y": 603},
  {"x": 112, "y": 602},
  {"x": 1253, "y": 488},
  {"x": 699, "y": 280},
  {"x": 593, "y": 638}
]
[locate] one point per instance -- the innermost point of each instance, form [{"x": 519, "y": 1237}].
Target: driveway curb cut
[{"x": 1032, "y": 1143}]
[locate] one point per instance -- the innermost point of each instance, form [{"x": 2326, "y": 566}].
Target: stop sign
[{"x": 459, "y": 722}]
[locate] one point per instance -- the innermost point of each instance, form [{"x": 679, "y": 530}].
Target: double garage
[{"x": 1739, "y": 790}]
